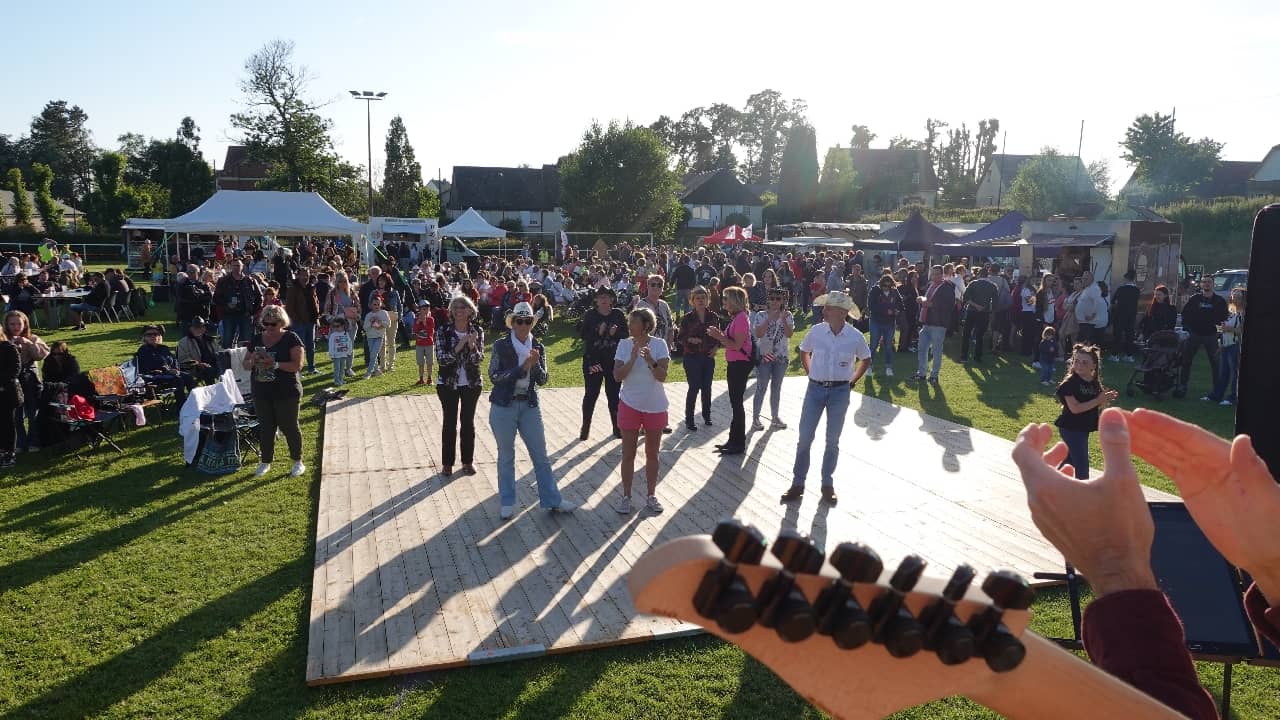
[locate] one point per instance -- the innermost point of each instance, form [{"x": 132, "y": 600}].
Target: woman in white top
[
  {"x": 772, "y": 327},
  {"x": 640, "y": 364}
]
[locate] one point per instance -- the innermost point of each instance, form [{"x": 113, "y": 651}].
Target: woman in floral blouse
[{"x": 459, "y": 352}]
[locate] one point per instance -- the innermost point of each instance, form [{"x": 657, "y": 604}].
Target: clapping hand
[
  {"x": 644, "y": 354},
  {"x": 1226, "y": 487},
  {"x": 1102, "y": 525},
  {"x": 715, "y": 332},
  {"x": 534, "y": 357},
  {"x": 1109, "y": 396}
]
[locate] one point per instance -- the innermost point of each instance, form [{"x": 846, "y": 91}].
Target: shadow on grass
[{"x": 95, "y": 689}]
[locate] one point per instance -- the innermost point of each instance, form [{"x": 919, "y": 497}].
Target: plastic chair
[{"x": 122, "y": 305}]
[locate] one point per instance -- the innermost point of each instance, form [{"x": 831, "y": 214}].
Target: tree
[
  {"x": 619, "y": 179},
  {"x": 50, "y": 213},
  {"x": 113, "y": 200},
  {"x": 511, "y": 224},
  {"x": 862, "y": 137},
  {"x": 960, "y": 158},
  {"x": 798, "y": 185},
  {"x": 902, "y": 141},
  {"x": 402, "y": 177},
  {"x": 1099, "y": 172},
  {"x": 21, "y": 202},
  {"x": 280, "y": 127},
  {"x": 428, "y": 203},
  {"x": 1051, "y": 184},
  {"x": 837, "y": 187},
  {"x": 172, "y": 172},
  {"x": 766, "y": 122},
  {"x": 60, "y": 139},
  {"x": 1167, "y": 163}
]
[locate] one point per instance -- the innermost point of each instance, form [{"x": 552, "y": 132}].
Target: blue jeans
[
  {"x": 1228, "y": 366},
  {"x": 307, "y": 333},
  {"x": 236, "y": 327},
  {"x": 698, "y": 370},
  {"x": 931, "y": 338},
  {"x": 505, "y": 423},
  {"x": 769, "y": 375},
  {"x": 340, "y": 367},
  {"x": 682, "y": 300},
  {"x": 375, "y": 362},
  {"x": 1046, "y": 370},
  {"x": 835, "y": 401},
  {"x": 882, "y": 332},
  {"x": 1077, "y": 451}
]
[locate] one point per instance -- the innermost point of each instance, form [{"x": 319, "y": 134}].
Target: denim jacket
[{"x": 505, "y": 368}]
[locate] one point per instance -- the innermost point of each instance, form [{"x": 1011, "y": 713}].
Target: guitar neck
[{"x": 1053, "y": 684}]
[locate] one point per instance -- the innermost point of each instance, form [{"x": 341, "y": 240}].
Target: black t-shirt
[
  {"x": 1201, "y": 315},
  {"x": 287, "y": 384},
  {"x": 1074, "y": 386},
  {"x": 684, "y": 277}
]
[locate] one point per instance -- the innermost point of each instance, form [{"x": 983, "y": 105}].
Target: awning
[
  {"x": 980, "y": 249},
  {"x": 1008, "y": 228},
  {"x": 1048, "y": 245},
  {"x": 407, "y": 229}
]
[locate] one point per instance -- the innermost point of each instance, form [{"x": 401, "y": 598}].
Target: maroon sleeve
[
  {"x": 1136, "y": 636},
  {"x": 1265, "y": 618}
]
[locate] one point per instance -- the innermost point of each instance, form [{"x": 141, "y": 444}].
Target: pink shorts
[{"x": 630, "y": 418}]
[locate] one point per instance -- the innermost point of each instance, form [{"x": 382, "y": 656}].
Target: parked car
[{"x": 1226, "y": 280}]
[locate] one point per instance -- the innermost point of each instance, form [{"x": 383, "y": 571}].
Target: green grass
[{"x": 131, "y": 587}]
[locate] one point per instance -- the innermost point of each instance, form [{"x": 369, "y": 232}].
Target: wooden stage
[{"x": 415, "y": 572}]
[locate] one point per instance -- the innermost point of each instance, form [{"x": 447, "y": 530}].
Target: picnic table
[{"x": 54, "y": 301}]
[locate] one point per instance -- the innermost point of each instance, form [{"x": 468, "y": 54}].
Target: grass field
[{"x": 131, "y": 587}]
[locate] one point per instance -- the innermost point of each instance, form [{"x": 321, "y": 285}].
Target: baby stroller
[
  {"x": 1160, "y": 370},
  {"x": 583, "y": 300}
]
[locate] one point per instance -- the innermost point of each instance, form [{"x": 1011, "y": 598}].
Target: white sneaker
[
  {"x": 653, "y": 506},
  {"x": 1225, "y": 403},
  {"x": 757, "y": 425},
  {"x": 1036, "y": 364},
  {"x": 624, "y": 507},
  {"x": 888, "y": 372},
  {"x": 564, "y": 507},
  {"x": 263, "y": 469},
  {"x": 298, "y": 469},
  {"x": 506, "y": 512},
  {"x": 1207, "y": 398}
]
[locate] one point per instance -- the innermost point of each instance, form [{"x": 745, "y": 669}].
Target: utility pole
[
  {"x": 1075, "y": 183},
  {"x": 369, "y": 97}
]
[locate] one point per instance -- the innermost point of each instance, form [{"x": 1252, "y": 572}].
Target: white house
[{"x": 713, "y": 196}]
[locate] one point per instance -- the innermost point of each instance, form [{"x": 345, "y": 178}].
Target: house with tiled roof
[
  {"x": 712, "y": 196},
  {"x": 530, "y": 195},
  {"x": 239, "y": 172},
  {"x": 1265, "y": 180},
  {"x": 994, "y": 186},
  {"x": 70, "y": 216},
  {"x": 1229, "y": 179}
]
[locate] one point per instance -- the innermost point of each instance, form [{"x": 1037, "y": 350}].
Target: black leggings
[
  {"x": 8, "y": 429},
  {"x": 739, "y": 371},
  {"x": 450, "y": 399},
  {"x": 611, "y": 389},
  {"x": 282, "y": 413}
]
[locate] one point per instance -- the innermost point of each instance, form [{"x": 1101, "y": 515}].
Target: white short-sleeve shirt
[
  {"x": 640, "y": 390},
  {"x": 834, "y": 355}
]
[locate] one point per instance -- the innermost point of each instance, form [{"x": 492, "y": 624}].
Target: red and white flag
[{"x": 746, "y": 233}]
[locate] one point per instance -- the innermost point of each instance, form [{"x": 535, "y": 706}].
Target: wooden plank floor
[{"x": 413, "y": 572}]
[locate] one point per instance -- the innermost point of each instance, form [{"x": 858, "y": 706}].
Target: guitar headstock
[{"x": 855, "y": 638}]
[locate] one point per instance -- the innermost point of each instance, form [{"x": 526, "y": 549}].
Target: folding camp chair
[
  {"x": 138, "y": 386},
  {"x": 96, "y": 428},
  {"x": 113, "y": 393}
]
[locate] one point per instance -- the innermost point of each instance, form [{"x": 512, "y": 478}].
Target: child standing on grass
[
  {"x": 1082, "y": 396},
  {"x": 339, "y": 348},
  {"x": 375, "y": 333},
  {"x": 1047, "y": 353},
  {"x": 424, "y": 336}
]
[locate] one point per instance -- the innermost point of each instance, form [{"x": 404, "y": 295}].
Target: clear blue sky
[{"x": 501, "y": 83}]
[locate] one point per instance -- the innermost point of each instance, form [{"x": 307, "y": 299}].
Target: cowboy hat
[
  {"x": 522, "y": 309},
  {"x": 839, "y": 299}
]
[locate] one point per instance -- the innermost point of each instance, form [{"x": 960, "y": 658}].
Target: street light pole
[{"x": 369, "y": 97}]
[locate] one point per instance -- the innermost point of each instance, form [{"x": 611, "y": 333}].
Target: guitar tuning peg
[
  {"x": 781, "y": 604},
  {"x": 723, "y": 595},
  {"x": 892, "y": 624},
  {"x": 999, "y": 647},
  {"x": 951, "y": 639},
  {"x": 840, "y": 615}
]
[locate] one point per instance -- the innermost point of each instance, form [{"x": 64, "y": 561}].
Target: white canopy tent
[
  {"x": 265, "y": 212},
  {"x": 471, "y": 225}
]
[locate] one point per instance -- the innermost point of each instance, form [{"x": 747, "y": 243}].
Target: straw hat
[
  {"x": 522, "y": 309},
  {"x": 842, "y": 300}
]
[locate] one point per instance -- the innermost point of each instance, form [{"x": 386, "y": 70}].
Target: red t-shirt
[
  {"x": 424, "y": 330},
  {"x": 496, "y": 293},
  {"x": 524, "y": 297}
]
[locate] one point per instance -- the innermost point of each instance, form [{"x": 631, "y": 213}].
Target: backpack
[{"x": 138, "y": 302}]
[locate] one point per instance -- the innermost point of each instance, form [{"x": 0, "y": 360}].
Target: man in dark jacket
[
  {"x": 239, "y": 299},
  {"x": 1201, "y": 317},
  {"x": 303, "y": 308},
  {"x": 1124, "y": 315},
  {"x": 684, "y": 277},
  {"x": 195, "y": 299},
  {"x": 158, "y": 366},
  {"x": 937, "y": 310},
  {"x": 980, "y": 299},
  {"x": 601, "y": 329}
]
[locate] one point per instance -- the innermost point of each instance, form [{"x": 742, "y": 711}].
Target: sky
[{"x": 504, "y": 83}]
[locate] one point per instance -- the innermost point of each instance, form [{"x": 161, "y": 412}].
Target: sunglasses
[
  {"x": 270, "y": 324},
  {"x": 523, "y": 321},
  {"x": 153, "y": 335}
]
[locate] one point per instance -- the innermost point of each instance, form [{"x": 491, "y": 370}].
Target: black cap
[
  {"x": 606, "y": 290},
  {"x": 152, "y": 329},
  {"x": 198, "y": 321}
]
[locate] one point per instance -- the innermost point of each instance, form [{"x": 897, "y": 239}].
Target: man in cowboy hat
[{"x": 829, "y": 351}]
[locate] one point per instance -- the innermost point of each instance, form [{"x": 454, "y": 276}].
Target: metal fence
[{"x": 99, "y": 251}]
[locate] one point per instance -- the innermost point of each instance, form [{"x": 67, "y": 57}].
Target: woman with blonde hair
[
  {"x": 1232, "y": 333},
  {"x": 31, "y": 350},
  {"x": 275, "y": 357},
  {"x": 459, "y": 352},
  {"x": 736, "y": 339},
  {"x": 640, "y": 365}
]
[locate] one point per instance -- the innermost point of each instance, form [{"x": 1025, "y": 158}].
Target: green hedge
[
  {"x": 957, "y": 215},
  {"x": 1216, "y": 233}
]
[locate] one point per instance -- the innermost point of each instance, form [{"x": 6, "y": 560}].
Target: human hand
[
  {"x": 1102, "y": 525},
  {"x": 644, "y": 354},
  {"x": 534, "y": 357},
  {"x": 1109, "y": 396},
  {"x": 613, "y": 330},
  {"x": 1226, "y": 487},
  {"x": 600, "y": 331},
  {"x": 635, "y": 350},
  {"x": 715, "y": 332}
]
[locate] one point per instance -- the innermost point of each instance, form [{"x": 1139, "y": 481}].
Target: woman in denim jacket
[
  {"x": 459, "y": 352},
  {"x": 517, "y": 367}
]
